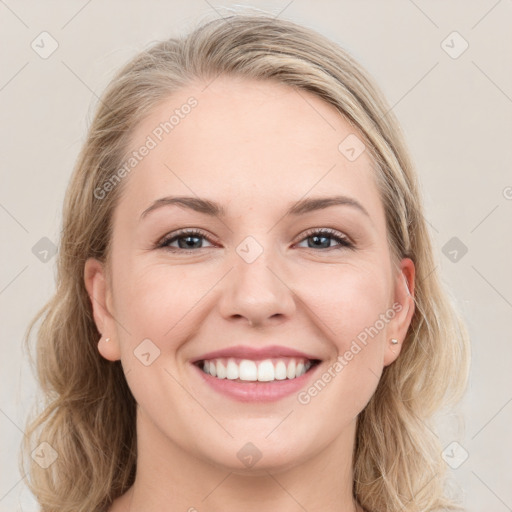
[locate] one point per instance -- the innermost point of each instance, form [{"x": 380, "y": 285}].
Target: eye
[
  {"x": 321, "y": 239},
  {"x": 187, "y": 239}
]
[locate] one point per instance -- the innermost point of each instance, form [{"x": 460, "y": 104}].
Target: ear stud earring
[
  {"x": 107, "y": 340},
  {"x": 394, "y": 341}
]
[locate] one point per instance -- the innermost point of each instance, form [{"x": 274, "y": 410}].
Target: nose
[{"x": 257, "y": 293}]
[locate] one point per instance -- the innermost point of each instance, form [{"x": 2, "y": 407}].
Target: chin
[{"x": 255, "y": 455}]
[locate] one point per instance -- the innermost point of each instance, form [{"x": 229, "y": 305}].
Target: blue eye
[
  {"x": 321, "y": 238},
  {"x": 189, "y": 240}
]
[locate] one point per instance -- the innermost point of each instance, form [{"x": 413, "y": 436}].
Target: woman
[{"x": 247, "y": 315}]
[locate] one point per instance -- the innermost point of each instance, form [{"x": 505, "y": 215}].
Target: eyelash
[{"x": 343, "y": 241}]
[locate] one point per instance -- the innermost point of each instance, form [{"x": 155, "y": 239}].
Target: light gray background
[{"x": 456, "y": 114}]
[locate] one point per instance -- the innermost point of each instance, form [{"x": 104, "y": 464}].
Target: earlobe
[
  {"x": 392, "y": 351},
  {"x": 109, "y": 349},
  {"x": 99, "y": 294}
]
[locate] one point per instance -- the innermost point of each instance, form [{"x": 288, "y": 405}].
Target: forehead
[{"x": 238, "y": 139}]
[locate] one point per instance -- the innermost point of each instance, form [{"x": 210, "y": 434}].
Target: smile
[
  {"x": 256, "y": 374},
  {"x": 248, "y": 370}
]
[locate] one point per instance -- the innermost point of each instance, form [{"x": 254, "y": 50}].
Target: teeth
[
  {"x": 248, "y": 370},
  {"x": 253, "y": 371},
  {"x": 221, "y": 370},
  {"x": 231, "y": 372},
  {"x": 280, "y": 372},
  {"x": 265, "y": 371},
  {"x": 290, "y": 372}
]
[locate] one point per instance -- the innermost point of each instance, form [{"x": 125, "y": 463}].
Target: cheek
[
  {"x": 161, "y": 302},
  {"x": 349, "y": 301},
  {"x": 352, "y": 306},
  {"x": 357, "y": 318}
]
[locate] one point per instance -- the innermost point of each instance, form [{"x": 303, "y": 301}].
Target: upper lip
[{"x": 247, "y": 352}]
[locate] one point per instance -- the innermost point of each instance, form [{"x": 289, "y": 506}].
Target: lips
[
  {"x": 255, "y": 354},
  {"x": 254, "y": 391},
  {"x": 245, "y": 364}
]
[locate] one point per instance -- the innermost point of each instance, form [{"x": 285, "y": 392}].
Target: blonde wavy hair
[{"x": 87, "y": 413}]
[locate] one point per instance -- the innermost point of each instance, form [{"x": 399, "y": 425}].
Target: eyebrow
[{"x": 214, "y": 209}]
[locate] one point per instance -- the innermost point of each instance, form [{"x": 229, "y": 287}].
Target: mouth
[
  {"x": 249, "y": 370},
  {"x": 252, "y": 374}
]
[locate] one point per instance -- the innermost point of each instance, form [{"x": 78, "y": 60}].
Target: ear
[
  {"x": 403, "y": 305},
  {"x": 100, "y": 296}
]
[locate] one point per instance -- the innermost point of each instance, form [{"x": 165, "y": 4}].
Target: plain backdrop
[{"x": 444, "y": 67}]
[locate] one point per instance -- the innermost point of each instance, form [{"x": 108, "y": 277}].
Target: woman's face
[{"x": 258, "y": 282}]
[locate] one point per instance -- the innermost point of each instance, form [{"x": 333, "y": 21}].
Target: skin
[{"x": 255, "y": 148}]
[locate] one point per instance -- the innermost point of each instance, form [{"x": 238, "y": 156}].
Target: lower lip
[{"x": 251, "y": 391}]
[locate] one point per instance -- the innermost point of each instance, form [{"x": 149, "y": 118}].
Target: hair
[{"x": 87, "y": 412}]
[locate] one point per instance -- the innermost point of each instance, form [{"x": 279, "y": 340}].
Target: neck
[{"x": 170, "y": 478}]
